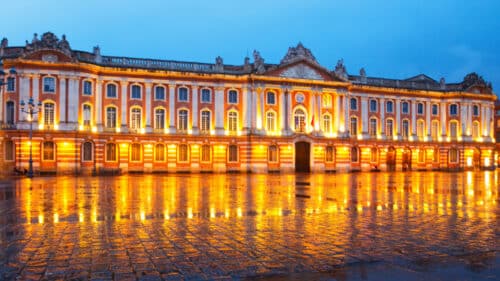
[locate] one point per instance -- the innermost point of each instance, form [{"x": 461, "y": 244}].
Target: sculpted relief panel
[{"x": 301, "y": 71}]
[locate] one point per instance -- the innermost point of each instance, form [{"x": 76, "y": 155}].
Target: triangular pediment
[
  {"x": 421, "y": 78},
  {"x": 301, "y": 70}
]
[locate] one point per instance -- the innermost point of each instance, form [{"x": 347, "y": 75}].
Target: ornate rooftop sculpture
[
  {"x": 258, "y": 62},
  {"x": 48, "y": 41},
  {"x": 473, "y": 79},
  {"x": 298, "y": 53},
  {"x": 340, "y": 70}
]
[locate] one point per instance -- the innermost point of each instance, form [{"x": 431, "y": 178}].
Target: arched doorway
[
  {"x": 302, "y": 157},
  {"x": 476, "y": 158},
  {"x": 406, "y": 159},
  {"x": 391, "y": 159}
]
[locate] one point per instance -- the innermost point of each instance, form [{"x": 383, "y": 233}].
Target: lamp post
[{"x": 31, "y": 109}]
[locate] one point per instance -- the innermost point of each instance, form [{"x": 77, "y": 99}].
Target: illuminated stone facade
[{"x": 107, "y": 114}]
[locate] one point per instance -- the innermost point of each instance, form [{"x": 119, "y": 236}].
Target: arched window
[
  {"x": 159, "y": 119},
  {"x": 232, "y": 153},
  {"x": 182, "y": 120},
  {"x": 300, "y": 120},
  {"x": 405, "y": 129},
  {"x": 272, "y": 153},
  {"x": 354, "y": 126},
  {"x": 160, "y": 152},
  {"x": 11, "y": 84},
  {"x": 111, "y": 91},
  {"x": 206, "y": 95},
  {"x": 327, "y": 123},
  {"x": 159, "y": 93},
  {"x": 48, "y": 113},
  {"x": 373, "y": 155},
  {"x": 475, "y": 110},
  {"x": 135, "y": 92},
  {"x": 354, "y": 154},
  {"x": 405, "y": 107},
  {"x": 271, "y": 98},
  {"x": 205, "y": 121},
  {"x": 330, "y": 154},
  {"x": 135, "y": 152},
  {"x": 87, "y": 113},
  {"x": 453, "y": 109},
  {"x": 183, "y": 153},
  {"x": 232, "y": 97},
  {"x": 111, "y": 117},
  {"x": 232, "y": 121},
  {"x": 454, "y": 155},
  {"x": 205, "y": 153},
  {"x": 9, "y": 150},
  {"x": 475, "y": 129},
  {"x": 182, "y": 94},
  {"x": 111, "y": 152},
  {"x": 10, "y": 113},
  {"x": 49, "y": 84},
  {"x": 87, "y": 87},
  {"x": 271, "y": 121},
  {"x": 420, "y": 108},
  {"x": 87, "y": 151},
  {"x": 389, "y": 107},
  {"x": 49, "y": 151},
  {"x": 135, "y": 118},
  {"x": 354, "y": 104},
  {"x": 372, "y": 129},
  {"x": 420, "y": 129}
]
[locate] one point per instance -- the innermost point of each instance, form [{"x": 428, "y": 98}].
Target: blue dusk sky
[{"x": 392, "y": 39}]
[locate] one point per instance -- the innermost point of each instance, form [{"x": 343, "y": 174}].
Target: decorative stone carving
[
  {"x": 49, "y": 58},
  {"x": 362, "y": 72},
  {"x": 49, "y": 41},
  {"x": 219, "y": 64},
  {"x": 297, "y": 53},
  {"x": 97, "y": 54},
  {"x": 258, "y": 62},
  {"x": 442, "y": 83},
  {"x": 340, "y": 70},
  {"x": 246, "y": 65},
  {"x": 472, "y": 79},
  {"x": 301, "y": 71}
]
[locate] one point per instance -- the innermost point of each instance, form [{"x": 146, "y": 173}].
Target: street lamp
[{"x": 31, "y": 109}]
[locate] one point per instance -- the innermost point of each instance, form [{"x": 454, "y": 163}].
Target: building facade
[{"x": 105, "y": 114}]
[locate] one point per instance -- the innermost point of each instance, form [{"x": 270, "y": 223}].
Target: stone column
[
  {"x": 148, "y": 86},
  {"x": 253, "y": 108},
  {"x": 469, "y": 121},
  {"x": 35, "y": 84},
  {"x": 318, "y": 125},
  {"x": 282, "y": 111},
  {"x": 219, "y": 110},
  {"x": 73, "y": 101},
  {"x": 397, "y": 126},
  {"x": 347, "y": 112},
  {"x": 443, "y": 118},
  {"x": 289, "y": 113},
  {"x": 24, "y": 95},
  {"x": 62, "y": 100},
  {"x": 124, "y": 107},
  {"x": 98, "y": 104},
  {"x": 382, "y": 118},
  {"x": 262, "y": 111},
  {"x": 312, "y": 112},
  {"x": 413, "y": 119},
  {"x": 428, "y": 114},
  {"x": 463, "y": 118},
  {"x": 246, "y": 104},
  {"x": 336, "y": 114},
  {"x": 171, "y": 108},
  {"x": 364, "y": 117},
  {"x": 195, "y": 88}
]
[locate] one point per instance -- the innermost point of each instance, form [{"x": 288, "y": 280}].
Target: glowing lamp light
[
  {"x": 94, "y": 129},
  {"x": 469, "y": 161},
  {"x": 80, "y": 127},
  {"x": 487, "y": 161},
  {"x": 360, "y": 137},
  {"x": 143, "y": 130},
  {"x": 56, "y": 127},
  {"x": 40, "y": 126},
  {"x": 118, "y": 130},
  {"x": 123, "y": 145}
]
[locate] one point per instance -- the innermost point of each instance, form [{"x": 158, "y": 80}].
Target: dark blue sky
[{"x": 393, "y": 39}]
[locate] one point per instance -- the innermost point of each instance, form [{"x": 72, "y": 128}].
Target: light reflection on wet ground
[{"x": 364, "y": 226}]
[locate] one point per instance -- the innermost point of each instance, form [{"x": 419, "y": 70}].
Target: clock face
[{"x": 299, "y": 98}]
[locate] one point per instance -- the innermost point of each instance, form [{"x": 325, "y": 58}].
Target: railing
[
  {"x": 8, "y": 126},
  {"x": 151, "y": 63}
]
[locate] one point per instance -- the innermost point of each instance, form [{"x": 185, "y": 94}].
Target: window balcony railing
[{"x": 8, "y": 126}]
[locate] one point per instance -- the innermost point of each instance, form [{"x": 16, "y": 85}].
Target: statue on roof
[
  {"x": 473, "y": 79},
  {"x": 362, "y": 72},
  {"x": 48, "y": 41},
  {"x": 340, "y": 70},
  {"x": 258, "y": 62},
  {"x": 219, "y": 63},
  {"x": 298, "y": 53},
  {"x": 5, "y": 43}
]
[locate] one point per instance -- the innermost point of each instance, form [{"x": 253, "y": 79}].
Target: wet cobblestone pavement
[{"x": 365, "y": 226}]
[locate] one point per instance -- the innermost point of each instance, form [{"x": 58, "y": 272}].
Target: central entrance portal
[{"x": 302, "y": 157}]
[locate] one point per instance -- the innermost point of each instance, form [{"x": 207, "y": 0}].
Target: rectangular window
[
  {"x": 135, "y": 153},
  {"x": 420, "y": 108},
  {"x": 453, "y": 130},
  {"x": 372, "y": 130},
  {"x": 111, "y": 117},
  {"x": 110, "y": 152},
  {"x": 232, "y": 121},
  {"x": 49, "y": 151},
  {"x": 10, "y": 149},
  {"x": 420, "y": 129},
  {"x": 405, "y": 130},
  {"x": 205, "y": 153},
  {"x": 111, "y": 91},
  {"x": 271, "y": 98},
  {"x": 329, "y": 154},
  {"x": 11, "y": 84},
  {"x": 136, "y": 92},
  {"x": 182, "y": 120},
  {"x": 405, "y": 108},
  {"x": 160, "y": 152},
  {"x": 10, "y": 112},
  {"x": 48, "y": 114},
  {"x": 389, "y": 128},
  {"x": 373, "y": 106},
  {"x": 475, "y": 110},
  {"x": 390, "y": 107},
  {"x": 272, "y": 153},
  {"x": 205, "y": 121},
  {"x": 327, "y": 124},
  {"x": 135, "y": 118},
  {"x": 232, "y": 153},
  {"x": 87, "y": 88},
  {"x": 421, "y": 156},
  {"x": 435, "y": 109},
  {"x": 233, "y": 96},
  {"x": 49, "y": 84},
  {"x": 435, "y": 130},
  {"x": 206, "y": 95},
  {"x": 453, "y": 109},
  {"x": 183, "y": 153},
  {"x": 159, "y": 93},
  {"x": 160, "y": 119},
  {"x": 87, "y": 151},
  {"x": 270, "y": 122},
  {"x": 87, "y": 113},
  {"x": 182, "y": 94},
  {"x": 354, "y": 126}
]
